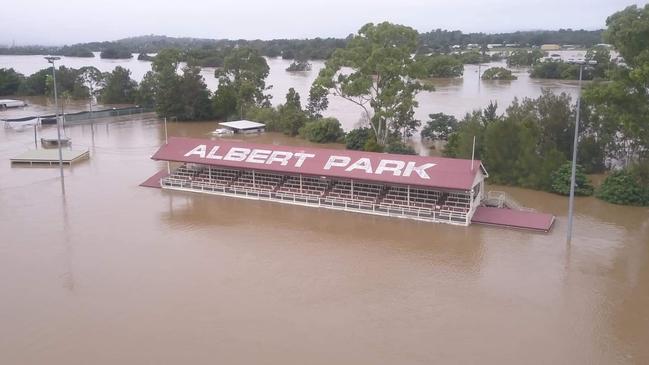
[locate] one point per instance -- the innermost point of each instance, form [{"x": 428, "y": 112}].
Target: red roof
[
  {"x": 448, "y": 173},
  {"x": 513, "y": 218}
]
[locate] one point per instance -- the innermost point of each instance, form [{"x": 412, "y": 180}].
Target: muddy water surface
[{"x": 113, "y": 273}]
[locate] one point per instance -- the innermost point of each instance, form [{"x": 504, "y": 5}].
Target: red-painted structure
[
  {"x": 417, "y": 187},
  {"x": 446, "y": 173}
]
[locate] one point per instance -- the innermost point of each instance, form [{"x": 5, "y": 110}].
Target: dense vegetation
[
  {"x": 529, "y": 144},
  {"x": 561, "y": 181},
  {"x": 619, "y": 108},
  {"x": 442, "y": 40},
  {"x": 523, "y": 57},
  {"x": 116, "y": 52},
  {"x": 118, "y": 87},
  {"x": 10, "y": 81},
  {"x": 381, "y": 78},
  {"x": 313, "y": 49},
  {"x": 441, "y": 65},
  {"x": 602, "y": 67},
  {"x": 299, "y": 65},
  {"x": 498, "y": 73}
]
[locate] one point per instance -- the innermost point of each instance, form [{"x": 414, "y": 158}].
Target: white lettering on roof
[
  {"x": 395, "y": 168},
  {"x": 279, "y": 156},
  {"x": 198, "y": 150},
  {"x": 301, "y": 157},
  {"x": 420, "y": 170},
  {"x": 258, "y": 156},
  {"x": 268, "y": 157},
  {"x": 212, "y": 155},
  {"x": 236, "y": 154},
  {"x": 337, "y": 161},
  {"x": 362, "y": 164}
]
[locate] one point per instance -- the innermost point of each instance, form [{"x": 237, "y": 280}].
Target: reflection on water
[{"x": 124, "y": 274}]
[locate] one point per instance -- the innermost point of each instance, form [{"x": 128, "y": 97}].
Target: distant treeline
[
  {"x": 206, "y": 51},
  {"x": 440, "y": 40}
]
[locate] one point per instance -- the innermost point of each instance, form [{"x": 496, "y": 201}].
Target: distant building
[
  {"x": 494, "y": 45},
  {"x": 512, "y": 45},
  {"x": 456, "y": 46},
  {"x": 244, "y": 126},
  {"x": 550, "y": 47},
  {"x": 472, "y": 45},
  {"x": 604, "y": 45}
]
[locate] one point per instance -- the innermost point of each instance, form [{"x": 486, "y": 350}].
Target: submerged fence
[{"x": 79, "y": 117}]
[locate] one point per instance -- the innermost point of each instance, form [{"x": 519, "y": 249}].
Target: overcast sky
[{"x": 72, "y": 21}]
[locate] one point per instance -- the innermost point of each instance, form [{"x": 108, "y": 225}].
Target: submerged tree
[
  {"x": 119, "y": 87},
  {"x": 376, "y": 72},
  {"x": 244, "y": 75}
]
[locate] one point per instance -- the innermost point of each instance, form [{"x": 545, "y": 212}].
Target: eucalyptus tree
[
  {"x": 377, "y": 72},
  {"x": 93, "y": 80},
  {"x": 243, "y": 76}
]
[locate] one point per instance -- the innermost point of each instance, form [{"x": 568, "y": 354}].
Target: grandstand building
[{"x": 429, "y": 189}]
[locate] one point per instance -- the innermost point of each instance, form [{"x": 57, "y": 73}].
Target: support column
[
  {"x": 300, "y": 183},
  {"x": 408, "y": 195},
  {"x": 253, "y": 178},
  {"x": 352, "y": 190}
]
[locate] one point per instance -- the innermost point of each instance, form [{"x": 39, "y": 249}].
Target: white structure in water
[{"x": 11, "y": 103}]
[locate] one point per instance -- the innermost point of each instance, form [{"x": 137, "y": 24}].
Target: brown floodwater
[{"x": 113, "y": 273}]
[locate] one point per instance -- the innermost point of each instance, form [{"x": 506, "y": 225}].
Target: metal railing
[{"x": 319, "y": 201}]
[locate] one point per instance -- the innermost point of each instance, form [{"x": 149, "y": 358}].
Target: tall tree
[
  {"x": 93, "y": 80},
  {"x": 195, "y": 95},
  {"x": 244, "y": 72},
  {"x": 119, "y": 87},
  {"x": 376, "y": 72},
  {"x": 622, "y": 105},
  {"x": 10, "y": 81},
  {"x": 167, "y": 82}
]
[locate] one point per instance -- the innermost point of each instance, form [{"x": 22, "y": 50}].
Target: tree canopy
[
  {"x": 243, "y": 79},
  {"x": 376, "y": 72}
]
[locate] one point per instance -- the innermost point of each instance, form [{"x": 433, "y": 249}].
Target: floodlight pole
[
  {"x": 51, "y": 60},
  {"x": 571, "y": 201}
]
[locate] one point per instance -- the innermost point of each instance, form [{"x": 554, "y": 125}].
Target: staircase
[{"x": 500, "y": 199}]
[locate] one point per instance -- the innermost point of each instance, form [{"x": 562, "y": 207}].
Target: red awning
[{"x": 446, "y": 173}]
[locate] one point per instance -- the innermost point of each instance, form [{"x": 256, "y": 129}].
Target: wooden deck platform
[
  {"x": 512, "y": 218},
  {"x": 50, "y": 157}
]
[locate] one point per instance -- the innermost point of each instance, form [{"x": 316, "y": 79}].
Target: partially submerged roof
[
  {"x": 242, "y": 124},
  {"x": 438, "y": 172},
  {"x": 50, "y": 156},
  {"x": 513, "y": 218}
]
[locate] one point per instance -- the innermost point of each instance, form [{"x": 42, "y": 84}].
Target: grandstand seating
[
  {"x": 312, "y": 187},
  {"x": 385, "y": 198},
  {"x": 361, "y": 193}
]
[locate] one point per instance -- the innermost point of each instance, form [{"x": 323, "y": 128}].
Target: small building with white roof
[{"x": 244, "y": 126}]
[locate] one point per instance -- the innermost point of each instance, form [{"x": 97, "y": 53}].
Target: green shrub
[
  {"x": 561, "y": 181},
  {"x": 400, "y": 148},
  {"x": 624, "y": 187},
  {"x": 498, "y": 73},
  {"x": 323, "y": 130},
  {"x": 356, "y": 138}
]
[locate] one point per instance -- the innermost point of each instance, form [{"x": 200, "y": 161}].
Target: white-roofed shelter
[{"x": 244, "y": 126}]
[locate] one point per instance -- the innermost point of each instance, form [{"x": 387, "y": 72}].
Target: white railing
[{"x": 503, "y": 200}]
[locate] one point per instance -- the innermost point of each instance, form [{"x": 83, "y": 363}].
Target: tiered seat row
[
  {"x": 217, "y": 177},
  {"x": 361, "y": 193},
  {"x": 419, "y": 198},
  {"x": 457, "y": 203},
  {"x": 260, "y": 181},
  {"x": 310, "y": 186},
  {"x": 418, "y": 201}
]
